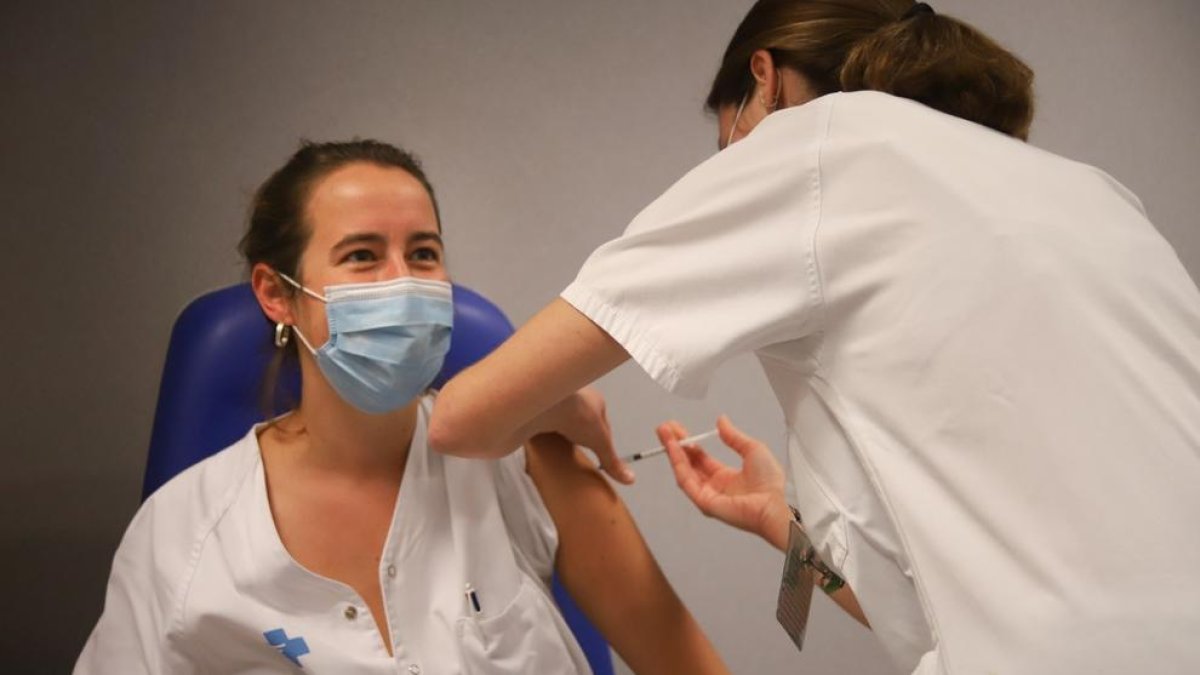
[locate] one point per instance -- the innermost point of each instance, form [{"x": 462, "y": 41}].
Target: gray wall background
[{"x": 134, "y": 132}]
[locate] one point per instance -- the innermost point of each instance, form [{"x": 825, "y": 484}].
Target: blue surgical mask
[{"x": 387, "y": 339}]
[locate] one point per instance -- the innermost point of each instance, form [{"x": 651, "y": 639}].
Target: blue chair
[{"x": 219, "y": 351}]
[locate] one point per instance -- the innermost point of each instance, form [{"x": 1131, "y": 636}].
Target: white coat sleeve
[
  {"x": 129, "y": 637},
  {"x": 722, "y": 263}
]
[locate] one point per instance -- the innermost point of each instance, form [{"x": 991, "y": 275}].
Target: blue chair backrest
[{"x": 210, "y": 394}]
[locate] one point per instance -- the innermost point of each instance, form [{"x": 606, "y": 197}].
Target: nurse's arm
[
  {"x": 530, "y": 385},
  {"x": 604, "y": 564}
]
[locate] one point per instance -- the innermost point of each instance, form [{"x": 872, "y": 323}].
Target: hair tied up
[
  {"x": 917, "y": 9},
  {"x": 898, "y": 47}
]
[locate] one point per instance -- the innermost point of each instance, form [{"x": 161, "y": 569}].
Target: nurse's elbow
[
  {"x": 457, "y": 438},
  {"x": 443, "y": 437}
]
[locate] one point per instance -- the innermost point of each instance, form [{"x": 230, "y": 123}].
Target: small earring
[
  {"x": 769, "y": 107},
  {"x": 283, "y": 334},
  {"x": 762, "y": 98}
]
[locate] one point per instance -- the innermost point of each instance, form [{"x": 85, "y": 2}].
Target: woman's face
[{"x": 369, "y": 223}]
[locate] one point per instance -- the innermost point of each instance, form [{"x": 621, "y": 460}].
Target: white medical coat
[
  {"x": 988, "y": 362},
  {"x": 201, "y": 582}
]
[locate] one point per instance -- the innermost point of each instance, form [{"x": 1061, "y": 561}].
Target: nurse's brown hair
[{"x": 894, "y": 46}]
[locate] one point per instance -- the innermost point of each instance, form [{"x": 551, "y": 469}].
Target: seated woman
[{"x": 331, "y": 538}]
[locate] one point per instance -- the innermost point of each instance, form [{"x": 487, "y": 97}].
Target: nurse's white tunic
[
  {"x": 202, "y": 584},
  {"x": 988, "y": 361}
]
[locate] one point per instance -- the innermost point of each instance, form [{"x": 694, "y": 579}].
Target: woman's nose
[{"x": 396, "y": 266}]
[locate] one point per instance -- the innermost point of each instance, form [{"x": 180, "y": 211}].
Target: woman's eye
[
  {"x": 359, "y": 255},
  {"x": 425, "y": 254}
]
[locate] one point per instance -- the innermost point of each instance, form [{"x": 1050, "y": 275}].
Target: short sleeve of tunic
[
  {"x": 722, "y": 263},
  {"x": 530, "y": 526}
]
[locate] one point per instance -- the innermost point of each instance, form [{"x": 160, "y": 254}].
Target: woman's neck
[{"x": 341, "y": 438}]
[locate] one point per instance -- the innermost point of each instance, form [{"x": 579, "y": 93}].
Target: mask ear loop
[
  {"x": 303, "y": 340},
  {"x": 742, "y": 106},
  {"x": 296, "y": 329},
  {"x": 293, "y": 282},
  {"x": 737, "y": 116}
]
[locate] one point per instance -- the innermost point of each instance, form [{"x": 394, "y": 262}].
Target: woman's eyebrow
[
  {"x": 360, "y": 238},
  {"x": 418, "y": 237}
]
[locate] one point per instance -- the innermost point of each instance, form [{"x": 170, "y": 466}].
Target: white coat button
[
  {"x": 414, "y": 669},
  {"x": 351, "y": 612},
  {"x": 392, "y": 571}
]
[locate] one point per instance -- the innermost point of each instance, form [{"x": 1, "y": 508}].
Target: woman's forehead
[{"x": 366, "y": 195}]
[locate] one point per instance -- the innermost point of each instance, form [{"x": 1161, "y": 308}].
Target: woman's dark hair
[
  {"x": 894, "y": 46},
  {"x": 278, "y": 232}
]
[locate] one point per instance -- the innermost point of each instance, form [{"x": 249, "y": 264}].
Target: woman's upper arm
[
  {"x": 129, "y": 634},
  {"x": 606, "y": 567}
]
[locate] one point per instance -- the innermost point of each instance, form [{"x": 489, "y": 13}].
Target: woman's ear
[{"x": 273, "y": 295}]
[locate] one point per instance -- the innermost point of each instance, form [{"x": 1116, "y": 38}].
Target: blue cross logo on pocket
[{"x": 293, "y": 648}]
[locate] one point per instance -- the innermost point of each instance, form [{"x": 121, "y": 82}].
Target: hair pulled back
[
  {"x": 892, "y": 46},
  {"x": 278, "y": 232}
]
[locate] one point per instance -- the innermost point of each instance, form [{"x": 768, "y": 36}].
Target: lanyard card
[{"x": 796, "y": 587}]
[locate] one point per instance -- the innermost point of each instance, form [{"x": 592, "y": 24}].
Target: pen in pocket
[{"x": 473, "y": 599}]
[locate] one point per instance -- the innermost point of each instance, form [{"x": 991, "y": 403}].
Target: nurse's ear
[
  {"x": 777, "y": 86},
  {"x": 273, "y": 294},
  {"x": 766, "y": 80}
]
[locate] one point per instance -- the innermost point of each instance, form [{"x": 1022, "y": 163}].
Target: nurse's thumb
[{"x": 734, "y": 438}]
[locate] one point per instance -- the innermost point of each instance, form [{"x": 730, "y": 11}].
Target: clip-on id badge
[{"x": 796, "y": 587}]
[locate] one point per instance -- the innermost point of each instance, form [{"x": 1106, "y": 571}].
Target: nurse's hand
[
  {"x": 750, "y": 498},
  {"x": 582, "y": 418}
]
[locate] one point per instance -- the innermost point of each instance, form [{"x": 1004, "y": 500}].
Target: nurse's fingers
[
  {"x": 606, "y": 458},
  {"x": 670, "y": 430},
  {"x": 758, "y": 463},
  {"x": 686, "y": 476},
  {"x": 700, "y": 460},
  {"x": 704, "y": 462},
  {"x": 735, "y": 439},
  {"x": 592, "y": 430},
  {"x": 610, "y": 462}
]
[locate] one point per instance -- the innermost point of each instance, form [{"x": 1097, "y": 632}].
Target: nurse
[
  {"x": 987, "y": 358},
  {"x": 331, "y": 539}
]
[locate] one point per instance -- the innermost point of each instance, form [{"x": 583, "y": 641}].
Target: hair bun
[{"x": 917, "y": 9}]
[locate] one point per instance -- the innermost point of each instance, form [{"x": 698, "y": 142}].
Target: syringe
[{"x": 662, "y": 449}]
